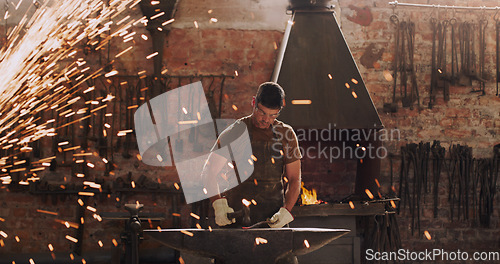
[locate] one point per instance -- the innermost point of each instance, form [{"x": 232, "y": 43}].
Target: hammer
[{"x": 244, "y": 214}]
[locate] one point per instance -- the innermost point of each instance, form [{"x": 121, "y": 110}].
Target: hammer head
[{"x": 243, "y": 214}]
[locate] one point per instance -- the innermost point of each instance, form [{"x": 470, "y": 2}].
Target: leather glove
[
  {"x": 281, "y": 218},
  {"x": 221, "y": 209}
]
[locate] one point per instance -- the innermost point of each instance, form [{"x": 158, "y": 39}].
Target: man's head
[{"x": 267, "y": 104}]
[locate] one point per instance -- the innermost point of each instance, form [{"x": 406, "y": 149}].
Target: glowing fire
[{"x": 309, "y": 197}]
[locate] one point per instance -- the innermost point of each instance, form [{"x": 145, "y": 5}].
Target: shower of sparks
[{"x": 42, "y": 70}]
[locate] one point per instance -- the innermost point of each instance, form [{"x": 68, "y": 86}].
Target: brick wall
[{"x": 466, "y": 118}]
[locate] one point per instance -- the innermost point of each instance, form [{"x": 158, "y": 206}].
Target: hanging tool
[
  {"x": 497, "y": 37},
  {"x": 454, "y": 54},
  {"x": 393, "y": 106},
  {"x": 480, "y": 73},
  {"x": 438, "y": 155}
]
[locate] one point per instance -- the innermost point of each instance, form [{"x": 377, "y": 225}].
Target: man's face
[{"x": 263, "y": 117}]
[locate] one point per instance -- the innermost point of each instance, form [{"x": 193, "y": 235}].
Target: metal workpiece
[{"x": 241, "y": 246}]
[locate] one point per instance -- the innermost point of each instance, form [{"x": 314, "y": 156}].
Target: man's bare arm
[{"x": 293, "y": 175}]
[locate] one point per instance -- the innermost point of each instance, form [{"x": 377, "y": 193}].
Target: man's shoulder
[
  {"x": 282, "y": 126},
  {"x": 234, "y": 130}
]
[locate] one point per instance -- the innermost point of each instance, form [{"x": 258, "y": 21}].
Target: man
[{"x": 276, "y": 162}]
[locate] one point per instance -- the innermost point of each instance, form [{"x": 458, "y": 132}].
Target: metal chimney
[{"x": 323, "y": 86}]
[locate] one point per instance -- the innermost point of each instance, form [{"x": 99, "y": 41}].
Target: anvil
[{"x": 246, "y": 246}]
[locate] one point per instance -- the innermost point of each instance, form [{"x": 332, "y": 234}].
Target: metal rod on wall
[{"x": 396, "y": 4}]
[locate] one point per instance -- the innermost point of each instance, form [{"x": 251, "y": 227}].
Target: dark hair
[{"x": 270, "y": 95}]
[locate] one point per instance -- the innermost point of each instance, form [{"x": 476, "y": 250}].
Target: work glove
[
  {"x": 221, "y": 209},
  {"x": 281, "y": 218}
]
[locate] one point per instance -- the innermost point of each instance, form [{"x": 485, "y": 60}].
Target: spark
[
  {"x": 51, "y": 248},
  {"x": 213, "y": 20},
  {"x": 72, "y": 239},
  {"x": 124, "y": 51},
  {"x": 354, "y": 81},
  {"x": 236, "y": 73},
  {"x": 351, "y": 204},
  {"x": 144, "y": 37},
  {"x": 176, "y": 186},
  {"x": 388, "y": 76},
  {"x": 235, "y": 108},
  {"x": 330, "y": 76},
  {"x": 97, "y": 217},
  {"x": 85, "y": 193},
  {"x": 46, "y": 212},
  {"x": 393, "y": 204},
  {"x": 196, "y": 24},
  {"x": 185, "y": 232},
  {"x": 2, "y": 233},
  {"x": 92, "y": 209},
  {"x": 17, "y": 239},
  {"x": 427, "y": 235},
  {"x": 151, "y": 55},
  {"x": 347, "y": 85},
  {"x": 115, "y": 243},
  {"x": 187, "y": 122},
  {"x": 246, "y": 202},
  {"x": 306, "y": 243},
  {"x": 369, "y": 193},
  {"x": 100, "y": 243},
  {"x": 157, "y": 15},
  {"x": 168, "y": 22},
  {"x": 195, "y": 216},
  {"x": 301, "y": 102},
  {"x": 260, "y": 240}
]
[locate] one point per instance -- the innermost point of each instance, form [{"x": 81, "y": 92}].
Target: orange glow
[{"x": 309, "y": 197}]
